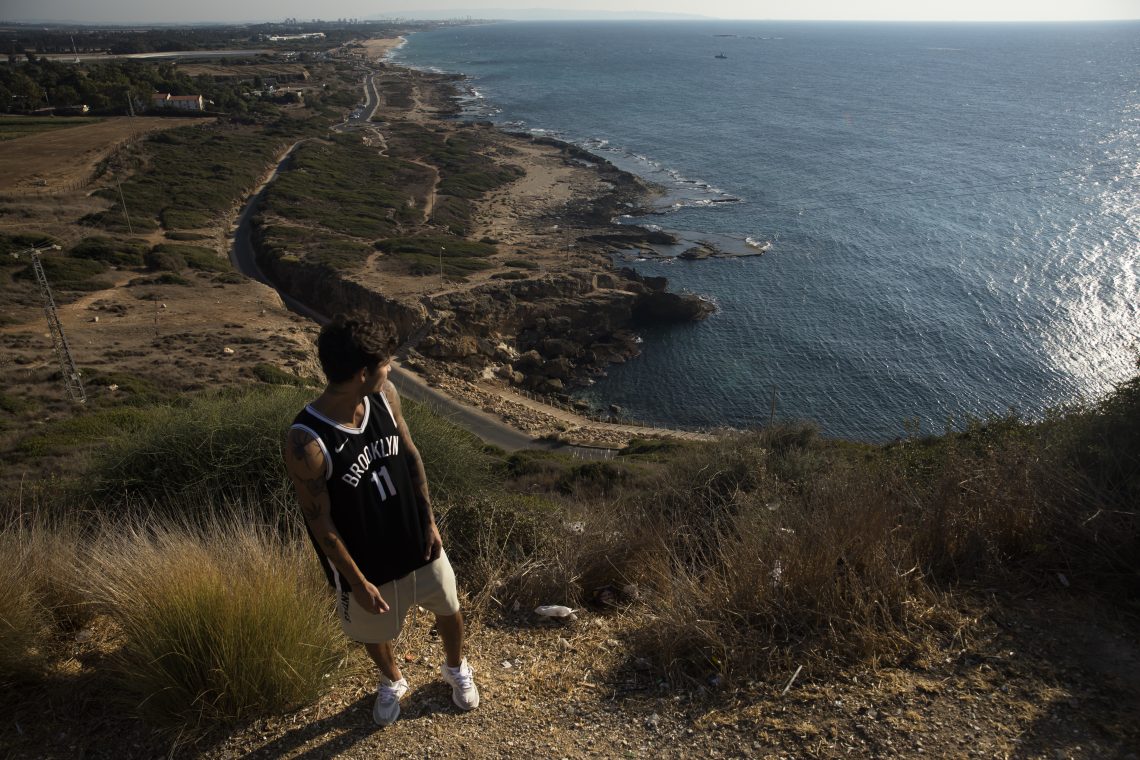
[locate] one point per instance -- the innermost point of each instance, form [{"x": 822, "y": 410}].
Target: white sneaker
[
  {"x": 388, "y": 694},
  {"x": 462, "y": 680}
]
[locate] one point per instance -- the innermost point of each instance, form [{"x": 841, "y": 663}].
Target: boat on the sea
[{"x": 721, "y": 55}]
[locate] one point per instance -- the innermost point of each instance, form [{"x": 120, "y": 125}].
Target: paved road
[{"x": 489, "y": 429}]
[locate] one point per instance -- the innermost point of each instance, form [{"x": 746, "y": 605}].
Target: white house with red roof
[{"x": 180, "y": 102}]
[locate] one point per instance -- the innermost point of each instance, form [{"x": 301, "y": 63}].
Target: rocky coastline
[{"x": 545, "y": 329}]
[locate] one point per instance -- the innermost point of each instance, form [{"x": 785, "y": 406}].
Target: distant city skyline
[{"x": 166, "y": 11}]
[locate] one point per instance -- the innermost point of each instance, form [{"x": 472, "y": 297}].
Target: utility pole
[
  {"x": 71, "y": 380},
  {"x": 123, "y": 199},
  {"x": 441, "y": 250}
]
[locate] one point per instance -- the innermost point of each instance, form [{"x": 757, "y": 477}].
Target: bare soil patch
[{"x": 64, "y": 159}]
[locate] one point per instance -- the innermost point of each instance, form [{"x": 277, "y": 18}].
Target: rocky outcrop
[
  {"x": 328, "y": 292},
  {"x": 700, "y": 251},
  {"x": 549, "y": 333},
  {"x": 670, "y": 308}
]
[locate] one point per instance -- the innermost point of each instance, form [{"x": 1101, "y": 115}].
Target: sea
[{"x": 953, "y": 209}]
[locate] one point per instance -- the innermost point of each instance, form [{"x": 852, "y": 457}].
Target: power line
[{"x": 72, "y": 382}]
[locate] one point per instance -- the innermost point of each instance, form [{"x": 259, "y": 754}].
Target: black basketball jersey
[{"x": 374, "y": 506}]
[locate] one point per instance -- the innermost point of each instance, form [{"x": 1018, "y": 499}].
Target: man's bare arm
[
  {"x": 419, "y": 476},
  {"x": 305, "y": 463},
  {"x": 417, "y": 472}
]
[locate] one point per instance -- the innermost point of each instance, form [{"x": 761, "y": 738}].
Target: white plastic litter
[{"x": 553, "y": 610}]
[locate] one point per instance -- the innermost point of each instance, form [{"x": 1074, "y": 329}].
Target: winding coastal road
[{"x": 489, "y": 429}]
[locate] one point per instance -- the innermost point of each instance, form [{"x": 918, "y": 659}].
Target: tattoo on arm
[
  {"x": 331, "y": 541},
  {"x": 297, "y": 443}
]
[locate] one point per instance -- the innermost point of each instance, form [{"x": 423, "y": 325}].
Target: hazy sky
[{"x": 114, "y": 11}]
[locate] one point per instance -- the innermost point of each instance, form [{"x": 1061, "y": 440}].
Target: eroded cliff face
[
  {"x": 329, "y": 293},
  {"x": 545, "y": 334}
]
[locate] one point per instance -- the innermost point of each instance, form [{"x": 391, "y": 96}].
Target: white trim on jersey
[
  {"x": 388, "y": 406},
  {"x": 335, "y": 574},
  {"x": 340, "y": 426},
  {"x": 324, "y": 449}
]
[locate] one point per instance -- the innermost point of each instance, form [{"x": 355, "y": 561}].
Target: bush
[
  {"x": 229, "y": 278},
  {"x": 66, "y": 273},
  {"x": 423, "y": 254},
  {"x": 19, "y": 243},
  {"x": 165, "y": 261},
  {"x": 195, "y": 257},
  {"x": 75, "y": 434},
  {"x": 456, "y": 462},
  {"x": 194, "y": 174},
  {"x": 128, "y": 253},
  {"x": 14, "y": 404},
  {"x": 273, "y": 375},
  {"x": 225, "y": 443},
  {"x": 220, "y": 622},
  {"x": 169, "y": 278}
]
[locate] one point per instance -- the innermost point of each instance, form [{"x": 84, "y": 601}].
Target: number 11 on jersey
[{"x": 383, "y": 482}]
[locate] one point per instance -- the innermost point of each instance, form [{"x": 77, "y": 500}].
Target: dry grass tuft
[
  {"x": 40, "y": 594},
  {"x": 221, "y": 621}
]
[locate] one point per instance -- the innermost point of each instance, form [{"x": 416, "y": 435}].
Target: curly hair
[{"x": 353, "y": 342}]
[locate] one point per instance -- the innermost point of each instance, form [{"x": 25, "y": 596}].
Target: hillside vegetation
[{"x": 741, "y": 556}]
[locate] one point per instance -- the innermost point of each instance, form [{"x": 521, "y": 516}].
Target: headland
[{"x": 495, "y": 259}]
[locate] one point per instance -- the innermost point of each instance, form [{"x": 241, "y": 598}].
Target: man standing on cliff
[{"x": 362, "y": 488}]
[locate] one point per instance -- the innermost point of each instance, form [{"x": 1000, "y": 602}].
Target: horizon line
[{"x": 679, "y": 19}]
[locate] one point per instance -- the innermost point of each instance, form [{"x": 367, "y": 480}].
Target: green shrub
[
  {"x": 502, "y": 544},
  {"x": 169, "y": 278},
  {"x": 220, "y": 622},
  {"x": 348, "y": 188},
  {"x": 14, "y": 404},
  {"x": 423, "y": 254},
  {"x": 274, "y": 375},
  {"x": 130, "y": 388},
  {"x": 19, "y": 243},
  {"x": 71, "y": 433},
  {"x": 165, "y": 261},
  {"x": 186, "y": 219},
  {"x": 508, "y": 276},
  {"x": 520, "y": 264},
  {"x": 119, "y": 252},
  {"x": 224, "y": 443},
  {"x": 176, "y": 235},
  {"x": 313, "y": 246},
  {"x": 192, "y": 175},
  {"x": 195, "y": 257},
  {"x": 66, "y": 273},
  {"x": 457, "y": 463}
]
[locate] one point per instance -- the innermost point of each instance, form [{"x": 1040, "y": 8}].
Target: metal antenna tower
[{"x": 71, "y": 381}]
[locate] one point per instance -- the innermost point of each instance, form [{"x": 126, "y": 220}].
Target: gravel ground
[{"x": 1038, "y": 679}]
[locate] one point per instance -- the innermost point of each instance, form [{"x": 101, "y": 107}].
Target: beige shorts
[{"x": 431, "y": 587}]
